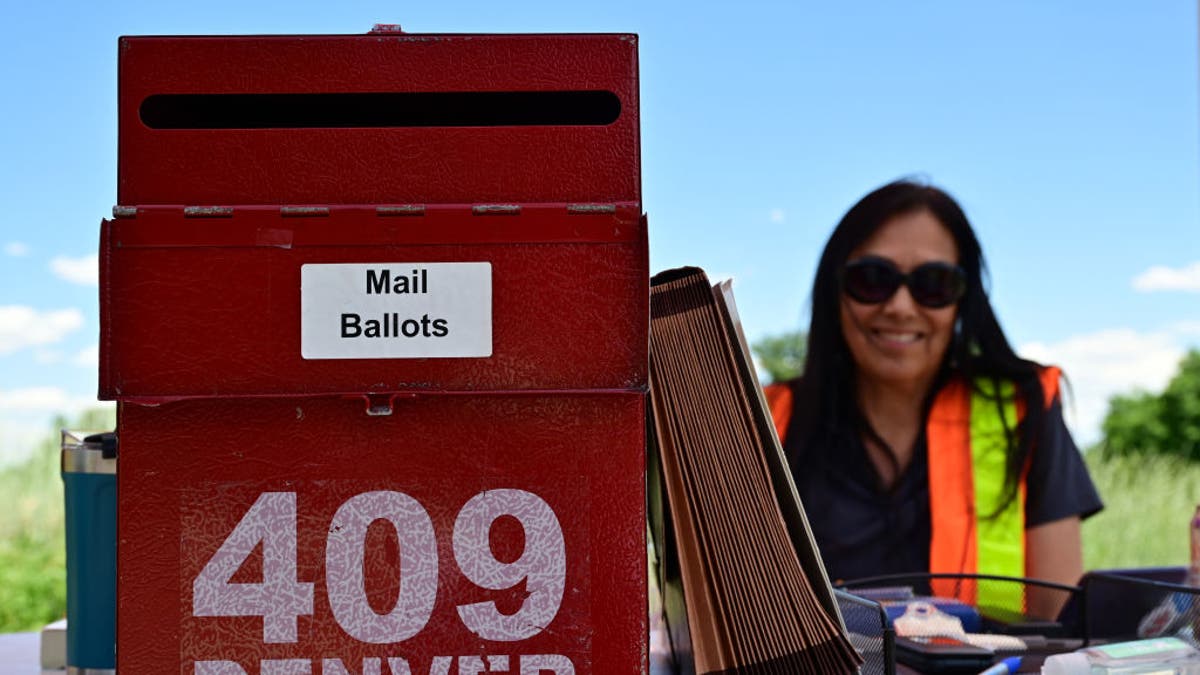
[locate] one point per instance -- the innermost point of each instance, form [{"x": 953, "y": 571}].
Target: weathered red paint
[
  {"x": 378, "y": 166},
  {"x": 198, "y": 307},
  {"x": 200, "y": 313}
]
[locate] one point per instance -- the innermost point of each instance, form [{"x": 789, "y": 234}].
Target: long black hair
[{"x": 826, "y": 406}]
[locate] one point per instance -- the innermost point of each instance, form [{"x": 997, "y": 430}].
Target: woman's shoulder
[
  {"x": 1014, "y": 370},
  {"x": 779, "y": 394},
  {"x": 780, "y": 387},
  {"x": 1047, "y": 378},
  {"x": 784, "y": 391},
  {"x": 1030, "y": 374},
  {"x": 780, "y": 398}
]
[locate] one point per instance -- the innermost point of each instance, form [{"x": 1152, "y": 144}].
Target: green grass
[
  {"x": 1148, "y": 506},
  {"x": 32, "y": 555},
  {"x": 33, "y": 574},
  {"x": 1149, "y": 502}
]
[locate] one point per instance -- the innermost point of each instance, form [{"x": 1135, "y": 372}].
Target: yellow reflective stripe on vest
[{"x": 1000, "y": 537}]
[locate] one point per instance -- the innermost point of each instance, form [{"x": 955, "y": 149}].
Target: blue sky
[{"x": 1068, "y": 130}]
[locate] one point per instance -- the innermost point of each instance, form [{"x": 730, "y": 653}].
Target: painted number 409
[{"x": 280, "y": 597}]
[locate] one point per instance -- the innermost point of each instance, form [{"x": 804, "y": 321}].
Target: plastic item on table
[
  {"x": 972, "y": 622},
  {"x": 1158, "y": 656},
  {"x": 1005, "y": 667},
  {"x": 923, "y": 619},
  {"x": 1193, "y": 575}
]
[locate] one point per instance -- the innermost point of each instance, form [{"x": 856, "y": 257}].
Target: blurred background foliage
[
  {"x": 32, "y": 537},
  {"x": 781, "y": 356},
  {"x": 1167, "y": 423}
]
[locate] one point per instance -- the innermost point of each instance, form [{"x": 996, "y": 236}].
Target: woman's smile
[{"x": 895, "y": 338}]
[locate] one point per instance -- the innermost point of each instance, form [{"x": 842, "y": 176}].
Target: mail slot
[{"x": 374, "y": 311}]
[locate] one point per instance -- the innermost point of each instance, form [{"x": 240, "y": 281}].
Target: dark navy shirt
[{"x": 863, "y": 531}]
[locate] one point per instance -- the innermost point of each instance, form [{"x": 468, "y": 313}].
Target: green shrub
[
  {"x": 781, "y": 356},
  {"x": 32, "y": 533},
  {"x": 1166, "y": 423}
]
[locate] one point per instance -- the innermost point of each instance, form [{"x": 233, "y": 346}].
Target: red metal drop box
[{"x": 374, "y": 309}]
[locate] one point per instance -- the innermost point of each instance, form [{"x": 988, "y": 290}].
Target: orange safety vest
[{"x": 967, "y": 460}]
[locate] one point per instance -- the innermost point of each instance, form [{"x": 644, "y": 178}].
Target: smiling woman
[{"x": 918, "y": 439}]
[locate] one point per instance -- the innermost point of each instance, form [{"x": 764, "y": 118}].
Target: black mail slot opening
[{"x": 408, "y": 109}]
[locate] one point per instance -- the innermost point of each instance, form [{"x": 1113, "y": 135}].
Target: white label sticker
[{"x": 396, "y": 310}]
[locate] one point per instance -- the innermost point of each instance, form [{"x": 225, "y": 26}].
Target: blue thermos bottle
[{"x": 89, "y": 472}]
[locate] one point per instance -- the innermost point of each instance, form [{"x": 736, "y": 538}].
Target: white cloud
[
  {"x": 1186, "y": 328},
  {"x": 1161, "y": 278},
  {"x": 26, "y": 416},
  {"x": 21, "y": 403},
  {"x": 88, "y": 357},
  {"x": 47, "y": 357},
  {"x": 19, "y": 438},
  {"x": 1114, "y": 361},
  {"x": 85, "y": 270},
  {"x": 16, "y": 249},
  {"x": 777, "y": 216},
  {"x": 42, "y": 399},
  {"x": 22, "y": 327}
]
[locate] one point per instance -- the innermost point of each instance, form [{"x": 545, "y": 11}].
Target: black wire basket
[
  {"x": 1015, "y": 617},
  {"x": 870, "y": 632},
  {"x": 1121, "y": 605}
]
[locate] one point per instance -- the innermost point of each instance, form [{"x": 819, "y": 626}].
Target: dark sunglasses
[{"x": 873, "y": 280}]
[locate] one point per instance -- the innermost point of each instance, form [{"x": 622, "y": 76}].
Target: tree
[
  {"x": 782, "y": 356},
  {"x": 1166, "y": 423}
]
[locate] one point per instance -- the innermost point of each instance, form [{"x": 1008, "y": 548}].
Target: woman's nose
[{"x": 901, "y": 302}]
